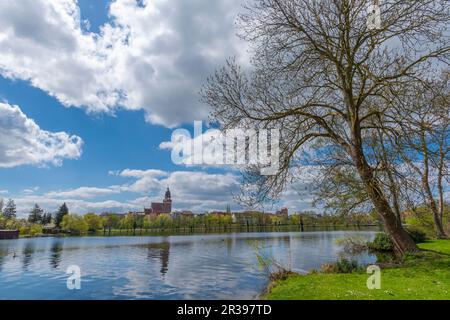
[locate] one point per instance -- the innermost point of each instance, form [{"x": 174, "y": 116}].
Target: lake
[{"x": 221, "y": 266}]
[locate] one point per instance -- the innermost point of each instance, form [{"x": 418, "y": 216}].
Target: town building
[
  {"x": 283, "y": 212},
  {"x": 158, "y": 208},
  {"x": 183, "y": 214}
]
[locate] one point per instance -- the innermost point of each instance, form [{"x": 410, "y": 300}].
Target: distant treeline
[{"x": 62, "y": 221}]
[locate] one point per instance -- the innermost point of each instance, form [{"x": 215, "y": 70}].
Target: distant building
[
  {"x": 219, "y": 213},
  {"x": 9, "y": 234},
  {"x": 135, "y": 213},
  {"x": 158, "y": 208},
  {"x": 183, "y": 214},
  {"x": 283, "y": 212}
]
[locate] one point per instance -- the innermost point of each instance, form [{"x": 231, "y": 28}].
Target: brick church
[{"x": 158, "y": 208}]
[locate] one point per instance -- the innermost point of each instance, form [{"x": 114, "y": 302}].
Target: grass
[{"x": 422, "y": 277}]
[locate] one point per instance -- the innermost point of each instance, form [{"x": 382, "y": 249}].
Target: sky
[{"x": 91, "y": 91}]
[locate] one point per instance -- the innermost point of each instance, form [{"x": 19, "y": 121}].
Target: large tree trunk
[{"x": 402, "y": 241}]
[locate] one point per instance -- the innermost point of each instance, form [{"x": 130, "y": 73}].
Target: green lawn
[{"x": 424, "y": 277}]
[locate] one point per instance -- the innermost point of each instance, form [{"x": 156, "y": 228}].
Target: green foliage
[
  {"x": 421, "y": 219},
  {"x": 36, "y": 214},
  {"x": 9, "y": 212},
  {"x": 382, "y": 242},
  {"x": 35, "y": 229},
  {"x": 353, "y": 244},
  {"x": 31, "y": 230},
  {"x": 111, "y": 221},
  {"x": 342, "y": 266},
  {"x": 13, "y": 224},
  {"x": 62, "y": 212},
  {"x": 93, "y": 221},
  {"x": 417, "y": 235},
  {"x": 74, "y": 224},
  {"x": 422, "y": 279},
  {"x": 128, "y": 222},
  {"x": 46, "y": 218},
  {"x": 277, "y": 271}
]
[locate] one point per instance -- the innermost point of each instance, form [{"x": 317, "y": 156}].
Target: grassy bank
[{"x": 425, "y": 276}]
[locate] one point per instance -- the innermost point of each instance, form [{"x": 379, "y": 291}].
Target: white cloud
[
  {"x": 152, "y": 57},
  {"x": 197, "y": 191},
  {"x": 79, "y": 206},
  {"x": 24, "y": 142},
  {"x": 192, "y": 190},
  {"x": 83, "y": 193},
  {"x": 30, "y": 190},
  {"x": 145, "y": 181}
]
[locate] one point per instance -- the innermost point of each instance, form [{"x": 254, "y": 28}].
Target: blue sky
[{"x": 90, "y": 89}]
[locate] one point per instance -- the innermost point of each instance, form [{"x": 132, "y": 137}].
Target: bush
[
  {"x": 329, "y": 268},
  {"x": 31, "y": 230},
  {"x": 74, "y": 224},
  {"x": 341, "y": 266},
  {"x": 422, "y": 220},
  {"x": 353, "y": 245},
  {"x": 35, "y": 230},
  {"x": 382, "y": 242},
  {"x": 417, "y": 235}
]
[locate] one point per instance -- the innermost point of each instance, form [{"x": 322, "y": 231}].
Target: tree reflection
[
  {"x": 56, "y": 252},
  {"x": 28, "y": 251},
  {"x": 160, "y": 251},
  {"x": 4, "y": 251}
]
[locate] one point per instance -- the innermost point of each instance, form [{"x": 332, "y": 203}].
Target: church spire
[{"x": 167, "y": 196}]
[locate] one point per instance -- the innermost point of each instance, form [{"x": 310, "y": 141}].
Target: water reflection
[
  {"x": 160, "y": 251},
  {"x": 4, "y": 251},
  {"x": 221, "y": 266},
  {"x": 56, "y": 252},
  {"x": 28, "y": 252}
]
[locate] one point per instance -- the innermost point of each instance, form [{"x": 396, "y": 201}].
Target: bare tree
[
  {"x": 320, "y": 74},
  {"x": 424, "y": 141}
]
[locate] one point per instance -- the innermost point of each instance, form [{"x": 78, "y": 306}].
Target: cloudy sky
[{"x": 90, "y": 92}]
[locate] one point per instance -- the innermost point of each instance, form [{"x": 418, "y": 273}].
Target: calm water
[{"x": 173, "y": 267}]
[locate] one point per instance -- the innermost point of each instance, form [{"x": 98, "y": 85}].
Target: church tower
[{"x": 167, "y": 202}]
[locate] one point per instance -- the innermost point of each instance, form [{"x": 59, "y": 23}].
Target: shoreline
[
  {"x": 425, "y": 275},
  {"x": 203, "y": 231}
]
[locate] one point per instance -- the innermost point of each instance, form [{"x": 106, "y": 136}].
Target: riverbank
[
  {"x": 423, "y": 276},
  {"x": 205, "y": 231}
]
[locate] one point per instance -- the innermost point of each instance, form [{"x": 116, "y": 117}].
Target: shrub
[
  {"x": 341, "y": 266},
  {"x": 353, "y": 245},
  {"x": 422, "y": 219},
  {"x": 74, "y": 224},
  {"x": 23, "y": 231},
  {"x": 329, "y": 268},
  {"x": 35, "y": 230},
  {"x": 30, "y": 230},
  {"x": 382, "y": 242},
  {"x": 93, "y": 221},
  {"x": 417, "y": 235},
  {"x": 280, "y": 275}
]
